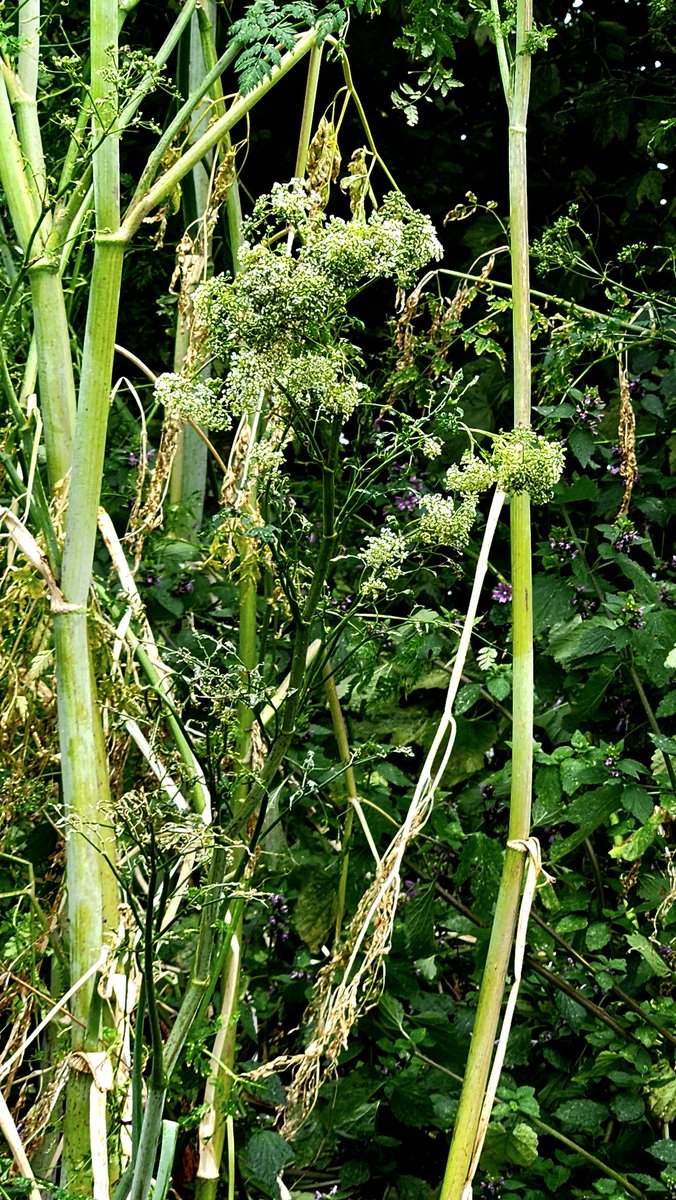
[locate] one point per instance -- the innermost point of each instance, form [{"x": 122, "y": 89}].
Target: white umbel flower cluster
[
  {"x": 444, "y": 522},
  {"x": 384, "y": 556},
  {"x": 278, "y": 325}
]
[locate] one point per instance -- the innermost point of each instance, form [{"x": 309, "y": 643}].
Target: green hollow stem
[
  {"x": 340, "y": 733},
  {"x": 309, "y": 105},
  {"x": 91, "y": 883},
  {"x": 25, "y": 102},
  {"x": 457, "y": 1180},
  {"x": 143, "y": 204}
]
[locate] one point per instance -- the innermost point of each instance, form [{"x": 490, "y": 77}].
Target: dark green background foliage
[{"x": 588, "y": 1081}]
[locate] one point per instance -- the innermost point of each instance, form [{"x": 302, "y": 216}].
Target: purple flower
[
  {"x": 502, "y": 593},
  {"x": 406, "y": 503}
]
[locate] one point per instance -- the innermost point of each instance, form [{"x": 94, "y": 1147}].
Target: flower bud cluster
[
  {"x": 276, "y": 325},
  {"x": 525, "y": 462},
  {"x": 520, "y": 461},
  {"x": 445, "y": 522},
  {"x": 384, "y": 557},
  {"x": 193, "y": 397}
]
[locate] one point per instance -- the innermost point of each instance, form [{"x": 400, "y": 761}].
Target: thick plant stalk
[
  {"x": 92, "y": 891},
  {"x": 457, "y": 1184}
]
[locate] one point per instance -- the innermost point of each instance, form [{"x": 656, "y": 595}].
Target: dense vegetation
[{"x": 266, "y": 322}]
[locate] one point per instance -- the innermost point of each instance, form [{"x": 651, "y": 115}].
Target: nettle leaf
[
  {"x": 667, "y": 705},
  {"x": 638, "y": 842},
  {"x": 391, "y": 1011},
  {"x": 627, "y": 1107},
  {"x": 637, "y": 801},
  {"x": 653, "y": 643},
  {"x": 419, "y": 924},
  {"x": 267, "y": 1154},
  {"x": 481, "y": 863},
  {"x": 551, "y": 602},
  {"x": 582, "y": 639},
  {"x": 500, "y": 686},
  {"x": 582, "y": 445},
  {"x": 597, "y": 936},
  {"x": 665, "y": 1150},
  {"x": 662, "y": 1095},
  {"x": 467, "y": 697},
  {"x": 315, "y": 910},
  {"x": 581, "y": 1114},
  {"x": 517, "y": 1147},
  {"x": 649, "y": 955},
  {"x": 548, "y": 805}
]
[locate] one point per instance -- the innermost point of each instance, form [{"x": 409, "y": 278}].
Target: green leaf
[
  {"x": 662, "y": 1095},
  {"x": 637, "y": 801},
  {"x": 649, "y": 955},
  {"x": 637, "y": 843},
  {"x": 265, "y": 1156},
  {"x": 354, "y": 1172},
  {"x": 516, "y": 1148},
  {"x": 551, "y": 602},
  {"x": 467, "y": 697},
  {"x": 581, "y": 1115},
  {"x": 315, "y": 910},
  {"x": 548, "y": 797},
  {"x": 499, "y": 686},
  {"x": 627, "y": 1107},
  {"x": 419, "y": 923},
  {"x": 391, "y": 1010},
  {"x": 481, "y": 864},
  {"x": 667, "y": 705},
  {"x": 597, "y": 936},
  {"x": 582, "y": 445},
  {"x": 665, "y": 1150},
  {"x": 582, "y": 639},
  {"x": 665, "y": 744}
]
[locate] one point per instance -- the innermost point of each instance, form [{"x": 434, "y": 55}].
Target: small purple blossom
[
  {"x": 135, "y": 460},
  {"x": 502, "y": 593},
  {"x": 590, "y": 410},
  {"x": 624, "y": 540}
]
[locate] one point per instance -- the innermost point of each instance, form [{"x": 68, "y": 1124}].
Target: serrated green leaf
[
  {"x": 515, "y": 1148},
  {"x": 265, "y": 1156},
  {"x": 662, "y": 1095},
  {"x": 665, "y": 1150},
  {"x": 581, "y": 1114},
  {"x": 648, "y": 954},
  {"x": 627, "y": 1108},
  {"x": 391, "y": 1010},
  {"x": 315, "y": 910},
  {"x": 582, "y": 639},
  {"x": 597, "y": 936},
  {"x": 582, "y": 445},
  {"x": 419, "y": 923},
  {"x": 638, "y": 842}
]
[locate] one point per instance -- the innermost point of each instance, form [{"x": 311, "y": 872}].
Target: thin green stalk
[
  {"x": 151, "y": 1129},
  {"x": 189, "y": 470},
  {"x": 144, "y": 203},
  {"x": 575, "y": 308},
  {"x": 20, "y": 195},
  {"x": 25, "y": 102},
  {"x": 340, "y": 733},
  {"x": 309, "y": 105},
  {"x": 55, "y": 367},
  {"x": 457, "y": 1177},
  {"x": 166, "y": 1163},
  {"x": 219, "y": 1085}
]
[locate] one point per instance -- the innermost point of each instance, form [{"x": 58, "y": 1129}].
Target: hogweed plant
[{"x": 232, "y": 703}]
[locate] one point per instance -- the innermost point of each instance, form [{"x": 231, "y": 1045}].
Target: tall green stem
[
  {"x": 92, "y": 891},
  {"x": 457, "y": 1180}
]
